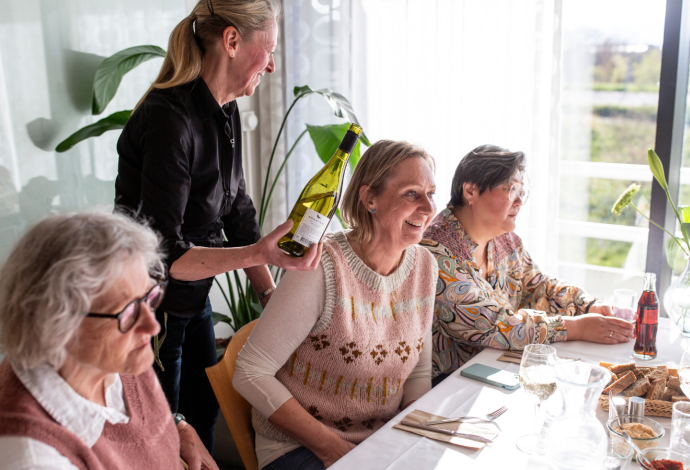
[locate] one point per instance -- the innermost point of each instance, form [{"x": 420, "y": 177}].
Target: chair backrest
[{"x": 236, "y": 410}]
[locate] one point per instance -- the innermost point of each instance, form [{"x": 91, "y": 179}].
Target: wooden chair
[{"x": 236, "y": 410}]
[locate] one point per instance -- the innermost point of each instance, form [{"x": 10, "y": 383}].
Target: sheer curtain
[{"x": 446, "y": 74}]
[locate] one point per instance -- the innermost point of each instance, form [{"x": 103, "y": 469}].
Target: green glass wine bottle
[{"x": 319, "y": 199}]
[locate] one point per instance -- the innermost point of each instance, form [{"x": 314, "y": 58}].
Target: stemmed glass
[
  {"x": 538, "y": 383},
  {"x": 684, "y": 368}
]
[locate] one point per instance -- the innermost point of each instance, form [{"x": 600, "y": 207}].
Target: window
[{"x": 610, "y": 92}]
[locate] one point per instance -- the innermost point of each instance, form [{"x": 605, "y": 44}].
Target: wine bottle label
[
  {"x": 311, "y": 228},
  {"x": 651, "y": 316}
]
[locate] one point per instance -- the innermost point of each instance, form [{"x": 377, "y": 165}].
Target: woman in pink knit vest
[
  {"x": 340, "y": 350},
  {"x": 77, "y": 390}
]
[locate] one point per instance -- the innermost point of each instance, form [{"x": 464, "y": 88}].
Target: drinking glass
[
  {"x": 684, "y": 369},
  {"x": 619, "y": 454},
  {"x": 680, "y": 427},
  {"x": 538, "y": 383},
  {"x": 624, "y": 301}
]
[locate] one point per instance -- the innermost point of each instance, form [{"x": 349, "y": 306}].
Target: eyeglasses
[
  {"x": 518, "y": 190},
  {"x": 128, "y": 317}
]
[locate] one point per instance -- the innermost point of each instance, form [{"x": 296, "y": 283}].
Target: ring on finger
[{"x": 611, "y": 334}]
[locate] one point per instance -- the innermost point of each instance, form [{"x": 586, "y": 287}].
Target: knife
[{"x": 474, "y": 437}]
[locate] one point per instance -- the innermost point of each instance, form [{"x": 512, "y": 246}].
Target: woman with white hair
[{"x": 78, "y": 295}]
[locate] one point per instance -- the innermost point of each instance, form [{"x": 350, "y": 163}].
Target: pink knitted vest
[
  {"x": 148, "y": 441},
  {"x": 350, "y": 370}
]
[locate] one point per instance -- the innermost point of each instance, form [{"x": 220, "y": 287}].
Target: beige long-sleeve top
[{"x": 294, "y": 309}]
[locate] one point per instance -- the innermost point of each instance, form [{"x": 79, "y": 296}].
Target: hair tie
[{"x": 209, "y": 5}]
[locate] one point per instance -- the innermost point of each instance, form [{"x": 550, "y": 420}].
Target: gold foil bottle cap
[{"x": 355, "y": 128}]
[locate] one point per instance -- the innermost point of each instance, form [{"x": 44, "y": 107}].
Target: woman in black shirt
[{"x": 180, "y": 167}]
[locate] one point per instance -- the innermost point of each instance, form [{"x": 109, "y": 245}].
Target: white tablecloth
[{"x": 390, "y": 448}]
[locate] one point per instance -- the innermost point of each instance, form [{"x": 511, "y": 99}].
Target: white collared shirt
[{"x": 72, "y": 411}]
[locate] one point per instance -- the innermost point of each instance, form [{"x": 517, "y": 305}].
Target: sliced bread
[
  {"x": 674, "y": 383},
  {"x": 621, "y": 384},
  {"x": 661, "y": 373},
  {"x": 676, "y": 398},
  {"x": 638, "y": 388},
  {"x": 668, "y": 394},
  {"x": 622, "y": 368},
  {"x": 656, "y": 390}
]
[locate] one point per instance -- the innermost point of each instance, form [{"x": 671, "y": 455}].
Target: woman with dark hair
[
  {"x": 490, "y": 293},
  {"x": 181, "y": 167}
]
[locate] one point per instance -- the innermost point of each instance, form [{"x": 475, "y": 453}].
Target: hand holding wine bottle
[
  {"x": 319, "y": 200},
  {"x": 267, "y": 249}
]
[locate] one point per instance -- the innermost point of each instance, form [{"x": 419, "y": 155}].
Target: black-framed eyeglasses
[{"x": 128, "y": 317}]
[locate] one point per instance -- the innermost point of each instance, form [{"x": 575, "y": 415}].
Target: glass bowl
[
  {"x": 643, "y": 443},
  {"x": 658, "y": 453}
]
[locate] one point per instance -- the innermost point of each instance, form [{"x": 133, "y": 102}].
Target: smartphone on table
[{"x": 492, "y": 376}]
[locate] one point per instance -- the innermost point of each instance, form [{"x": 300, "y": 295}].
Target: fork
[{"x": 488, "y": 418}]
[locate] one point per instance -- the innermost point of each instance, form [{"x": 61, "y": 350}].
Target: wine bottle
[
  {"x": 319, "y": 199},
  {"x": 647, "y": 320}
]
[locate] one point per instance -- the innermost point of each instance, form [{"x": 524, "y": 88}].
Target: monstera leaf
[
  {"x": 114, "y": 121},
  {"x": 338, "y": 103},
  {"x": 327, "y": 139},
  {"x": 109, "y": 74}
]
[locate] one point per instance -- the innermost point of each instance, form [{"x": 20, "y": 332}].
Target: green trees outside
[{"x": 621, "y": 133}]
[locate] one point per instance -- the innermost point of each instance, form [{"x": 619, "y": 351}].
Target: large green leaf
[
  {"x": 114, "y": 121},
  {"x": 109, "y": 74},
  {"x": 339, "y": 104},
  {"x": 657, "y": 168},
  {"x": 675, "y": 256},
  {"x": 327, "y": 139}
]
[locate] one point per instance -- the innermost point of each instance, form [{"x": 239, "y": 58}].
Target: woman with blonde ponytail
[{"x": 181, "y": 168}]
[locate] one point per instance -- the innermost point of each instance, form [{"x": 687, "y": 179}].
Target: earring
[{"x": 372, "y": 210}]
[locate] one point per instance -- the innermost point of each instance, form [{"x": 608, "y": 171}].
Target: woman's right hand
[
  {"x": 269, "y": 253},
  {"x": 597, "y": 328},
  {"x": 335, "y": 451}
]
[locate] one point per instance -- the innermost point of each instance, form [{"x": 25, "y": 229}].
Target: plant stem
[
  {"x": 273, "y": 152},
  {"x": 264, "y": 209},
  {"x": 662, "y": 228},
  {"x": 680, "y": 220}
]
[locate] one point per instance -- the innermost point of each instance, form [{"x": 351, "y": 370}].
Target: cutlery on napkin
[
  {"x": 470, "y": 435},
  {"x": 516, "y": 357}
]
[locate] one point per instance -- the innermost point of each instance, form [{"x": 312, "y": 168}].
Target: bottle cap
[
  {"x": 636, "y": 406},
  {"x": 350, "y": 140}
]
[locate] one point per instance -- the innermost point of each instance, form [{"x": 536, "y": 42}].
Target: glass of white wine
[{"x": 538, "y": 383}]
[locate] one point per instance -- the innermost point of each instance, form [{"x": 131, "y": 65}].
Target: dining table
[{"x": 394, "y": 449}]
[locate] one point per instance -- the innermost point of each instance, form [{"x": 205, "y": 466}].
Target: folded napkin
[
  {"x": 516, "y": 357},
  {"x": 486, "y": 430}
]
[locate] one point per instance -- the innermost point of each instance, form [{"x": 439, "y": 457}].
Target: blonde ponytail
[{"x": 184, "y": 59}]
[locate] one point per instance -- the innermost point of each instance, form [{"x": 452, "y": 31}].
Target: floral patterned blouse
[{"x": 516, "y": 305}]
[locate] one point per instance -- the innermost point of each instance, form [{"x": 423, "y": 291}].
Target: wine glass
[
  {"x": 684, "y": 368},
  {"x": 538, "y": 383}
]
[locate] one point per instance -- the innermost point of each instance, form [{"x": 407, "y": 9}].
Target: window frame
[{"x": 670, "y": 128}]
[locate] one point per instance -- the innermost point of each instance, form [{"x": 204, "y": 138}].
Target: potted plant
[
  {"x": 240, "y": 297},
  {"x": 677, "y": 297}
]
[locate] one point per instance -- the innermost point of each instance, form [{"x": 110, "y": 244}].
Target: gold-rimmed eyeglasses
[{"x": 518, "y": 190}]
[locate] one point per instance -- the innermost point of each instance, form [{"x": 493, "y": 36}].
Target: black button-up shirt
[{"x": 181, "y": 167}]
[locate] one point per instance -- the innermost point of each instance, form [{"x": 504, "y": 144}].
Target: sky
[{"x": 627, "y": 21}]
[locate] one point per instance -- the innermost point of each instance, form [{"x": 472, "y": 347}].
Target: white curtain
[{"x": 446, "y": 74}]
